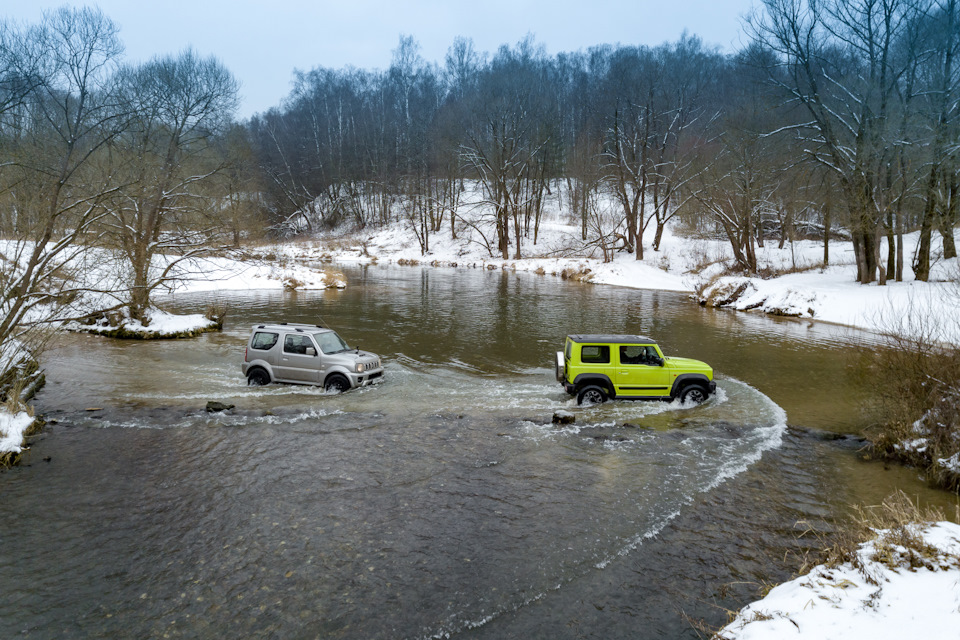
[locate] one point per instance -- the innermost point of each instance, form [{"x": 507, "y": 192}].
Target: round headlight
[{"x": 359, "y": 367}]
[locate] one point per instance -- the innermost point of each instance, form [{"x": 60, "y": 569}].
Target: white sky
[{"x": 262, "y": 42}]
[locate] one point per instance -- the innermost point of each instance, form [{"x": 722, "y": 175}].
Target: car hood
[{"x": 688, "y": 364}]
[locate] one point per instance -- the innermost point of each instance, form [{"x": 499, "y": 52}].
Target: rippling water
[{"x": 441, "y": 502}]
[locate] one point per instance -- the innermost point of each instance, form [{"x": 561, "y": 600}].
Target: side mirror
[
  {"x": 660, "y": 362},
  {"x": 311, "y": 351}
]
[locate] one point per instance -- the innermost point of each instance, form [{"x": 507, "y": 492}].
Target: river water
[{"x": 441, "y": 502}]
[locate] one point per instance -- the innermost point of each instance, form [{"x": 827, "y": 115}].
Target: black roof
[{"x": 611, "y": 337}]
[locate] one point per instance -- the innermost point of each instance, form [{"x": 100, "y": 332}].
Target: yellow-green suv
[{"x": 598, "y": 367}]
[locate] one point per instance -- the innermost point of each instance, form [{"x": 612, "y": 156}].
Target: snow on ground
[
  {"x": 684, "y": 263},
  {"x": 877, "y": 602},
  {"x": 199, "y": 274},
  {"x": 12, "y": 428},
  {"x": 228, "y": 274}
]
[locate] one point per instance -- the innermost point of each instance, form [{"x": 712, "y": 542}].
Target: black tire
[
  {"x": 591, "y": 394},
  {"x": 336, "y": 384},
  {"x": 258, "y": 378},
  {"x": 693, "y": 393}
]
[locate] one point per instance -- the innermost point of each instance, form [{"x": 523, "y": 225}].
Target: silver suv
[{"x": 307, "y": 354}]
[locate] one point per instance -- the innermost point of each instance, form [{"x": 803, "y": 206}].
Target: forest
[{"x": 837, "y": 120}]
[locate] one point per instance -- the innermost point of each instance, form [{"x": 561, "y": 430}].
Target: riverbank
[
  {"x": 796, "y": 283},
  {"x": 221, "y": 274},
  {"x": 902, "y": 582}
]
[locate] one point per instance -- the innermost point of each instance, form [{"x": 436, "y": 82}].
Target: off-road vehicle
[
  {"x": 307, "y": 354},
  {"x": 598, "y": 367}
]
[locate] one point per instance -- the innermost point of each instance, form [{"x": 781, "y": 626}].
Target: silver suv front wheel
[{"x": 336, "y": 384}]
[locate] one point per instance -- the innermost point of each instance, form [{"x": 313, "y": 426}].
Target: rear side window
[
  {"x": 263, "y": 340},
  {"x": 595, "y": 354}
]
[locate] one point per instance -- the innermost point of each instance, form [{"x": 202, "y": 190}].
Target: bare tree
[
  {"x": 180, "y": 104},
  {"x": 941, "y": 89},
  {"x": 844, "y": 62},
  {"x": 60, "y": 111},
  {"x": 507, "y": 139},
  {"x": 657, "y": 130}
]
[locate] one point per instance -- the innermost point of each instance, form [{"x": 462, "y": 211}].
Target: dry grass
[
  {"x": 217, "y": 312},
  {"x": 896, "y": 528},
  {"x": 769, "y": 272},
  {"x": 13, "y": 401},
  {"x": 919, "y": 410}
]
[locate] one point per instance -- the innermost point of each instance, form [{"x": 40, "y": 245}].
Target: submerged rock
[
  {"x": 563, "y": 417},
  {"x": 213, "y": 405}
]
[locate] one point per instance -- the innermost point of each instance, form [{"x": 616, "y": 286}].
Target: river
[{"x": 441, "y": 502}]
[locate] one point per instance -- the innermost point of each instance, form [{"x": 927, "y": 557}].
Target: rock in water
[
  {"x": 563, "y": 417},
  {"x": 218, "y": 406}
]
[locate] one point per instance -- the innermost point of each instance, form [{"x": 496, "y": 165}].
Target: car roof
[
  {"x": 611, "y": 337},
  {"x": 290, "y": 326}
]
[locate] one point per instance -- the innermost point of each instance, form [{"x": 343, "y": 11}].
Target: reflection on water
[{"x": 439, "y": 503}]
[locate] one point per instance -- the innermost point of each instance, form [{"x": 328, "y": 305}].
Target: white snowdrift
[{"x": 840, "y": 603}]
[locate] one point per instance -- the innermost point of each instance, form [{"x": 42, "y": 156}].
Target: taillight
[{"x": 245, "y": 354}]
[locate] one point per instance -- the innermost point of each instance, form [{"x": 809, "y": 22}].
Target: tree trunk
[
  {"x": 921, "y": 265},
  {"x": 948, "y": 219},
  {"x": 891, "y": 245},
  {"x": 827, "y": 210}
]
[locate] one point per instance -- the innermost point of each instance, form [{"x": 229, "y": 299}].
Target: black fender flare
[
  {"x": 688, "y": 378},
  {"x": 598, "y": 379}
]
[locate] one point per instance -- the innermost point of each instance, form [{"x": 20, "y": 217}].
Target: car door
[
  {"x": 639, "y": 373},
  {"x": 297, "y": 364}
]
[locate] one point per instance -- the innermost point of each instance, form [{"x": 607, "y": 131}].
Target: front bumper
[{"x": 366, "y": 378}]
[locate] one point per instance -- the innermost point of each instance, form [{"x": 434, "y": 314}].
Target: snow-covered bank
[
  {"x": 99, "y": 273},
  {"x": 895, "y": 593},
  {"x": 13, "y": 428},
  {"x": 684, "y": 263},
  {"x": 219, "y": 274}
]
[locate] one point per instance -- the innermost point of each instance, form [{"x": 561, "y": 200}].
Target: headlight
[{"x": 360, "y": 367}]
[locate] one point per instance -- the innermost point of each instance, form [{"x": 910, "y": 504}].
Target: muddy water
[{"x": 441, "y": 502}]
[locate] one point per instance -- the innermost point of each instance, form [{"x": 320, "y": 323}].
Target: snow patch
[
  {"x": 841, "y": 602},
  {"x": 12, "y": 428}
]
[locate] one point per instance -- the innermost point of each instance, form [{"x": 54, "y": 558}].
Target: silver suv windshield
[{"x": 329, "y": 342}]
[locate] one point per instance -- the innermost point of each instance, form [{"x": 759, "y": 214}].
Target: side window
[
  {"x": 595, "y": 354},
  {"x": 636, "y": 354},
  {"x": 264, "y": 340},
  {"x": 296, "y": 343}
]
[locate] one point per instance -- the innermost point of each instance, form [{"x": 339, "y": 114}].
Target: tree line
[{"x": 837, "y": 118}]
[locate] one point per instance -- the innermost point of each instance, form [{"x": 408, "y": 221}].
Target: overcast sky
[{"x": 263, "y": 41}]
